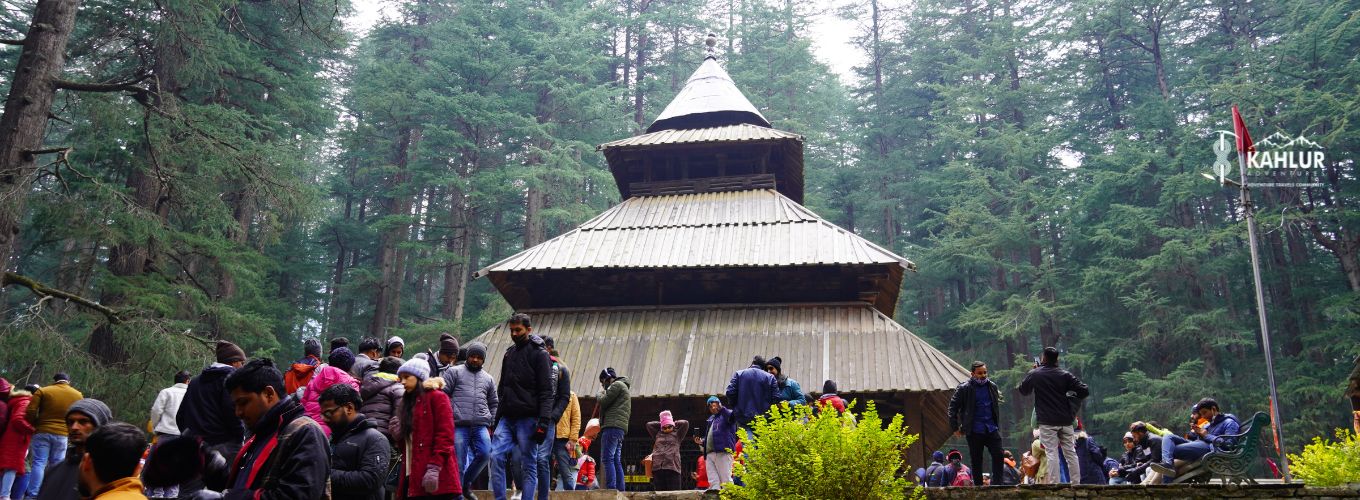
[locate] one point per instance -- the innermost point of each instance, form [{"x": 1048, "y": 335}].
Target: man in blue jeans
[
  {"x": 524, "y": 415},
  {"x": 616, "y": 408},
  {"x": 1178, "y": 448},
  {"x": 472, "y": 392}
]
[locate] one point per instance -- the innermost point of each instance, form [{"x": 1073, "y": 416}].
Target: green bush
[
  {"x": 1329, "y": 464},
  {"x": 824, "y": 456}
]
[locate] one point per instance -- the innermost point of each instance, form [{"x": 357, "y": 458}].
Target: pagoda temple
[{"x": 711, "y": 259}]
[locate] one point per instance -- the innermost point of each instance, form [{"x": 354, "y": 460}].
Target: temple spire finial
[{"x": 711, "y": 42}]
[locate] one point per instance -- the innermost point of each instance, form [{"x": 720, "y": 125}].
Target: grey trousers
[{"x": 1054, "y": 438}]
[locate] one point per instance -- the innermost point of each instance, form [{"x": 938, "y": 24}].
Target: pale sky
[{"x": 831, "y": 34}]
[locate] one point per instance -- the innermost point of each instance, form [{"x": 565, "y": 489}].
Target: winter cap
[
  {"x": 758, "y": 361},
  {"x": 666, "y": 418},
  {"x": 955, "y": 455},
  {"x": 418, "y": 368},
  {"x": 393, "y": 342},
  {"x": 777, "y": 363},
  {"x": 476, "y": 349},
  {"x": 61, "y": 377},
  {"x": 311, "y": 347},
  {"x": 228, "y": 353},
  {"x": 93, "y": 408},
  {"x": 713, "y": 399},
  {"x": 549, "y": 342},
  {"x": 390, "y": 364},
  {"x": 938, "y": 456},
  {"x": 341, "y": 358},
  {"x": 448, "y": 345},
  {"x": 829, "y": 387},
  {"x": 1128, "y": 436},
  {"x": 608, "y": 373}
]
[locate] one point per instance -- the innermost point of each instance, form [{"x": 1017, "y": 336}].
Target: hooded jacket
[
  {"x": 300, "y": 373},
  {"x": 963, "y": 406},
  {"x": 17, "y": 434},
  {"x": 1050, "y": 386},
  {"x": 526, "y": 386},
  {"x": 721, "y": 434},
  {"x": 207, "y": 411},
  {"x": 430, "y": 442},
  {"x": 382, "y": 400},
  {"x": 472, "y": 394},
  {"x": 47, "y": 409},
  {"x": 790, "y": 390},
  {"x": 287, "y": 457},
  {"x": 359, "y": 458},
  {"x": 616, "y": 405},
  {"x": 751, "y": 391},
  {"x": 321, "y": 380}
]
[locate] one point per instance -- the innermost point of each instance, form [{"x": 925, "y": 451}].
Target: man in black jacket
[
  {"x": 524, "y": 416},
  {"x": 287, "y": 455},
  {"x": 1056, "y": 394},
  {"x": 206, "y": 413},
  {"x": 359, "y": 453},
  {"x": 975, "y": 412}
]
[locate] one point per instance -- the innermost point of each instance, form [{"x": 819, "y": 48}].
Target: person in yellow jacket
[
  {"x": 564, "y": 447},
  {"x": 47, "y": 412},
  {"x": 110, "y": 466}
]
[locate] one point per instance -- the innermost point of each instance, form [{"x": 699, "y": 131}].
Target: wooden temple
[{"x": 711, "y": 259}]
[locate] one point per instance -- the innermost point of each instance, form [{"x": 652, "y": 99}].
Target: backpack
[
  {"x": 962, "y": 477},
  {"x": 935, "y": 476}
]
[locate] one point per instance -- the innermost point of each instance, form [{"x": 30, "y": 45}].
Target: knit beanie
[
  {"x": 608, "y": 373},
  {"x": 955, "y": 455},
  {"x": 311, "y": 347},
  {"x": 448, "y": 345},
  {"x": 476, "y": 349},
  {"x": 393, "y": 342},
  {"x": 228, "y": 353},
  {"x": 341, "y": 358},
  {"x": 829, "y": 387},
  {"x": 93, "y": 408},
  {"x": 777, "y": 363},
  {"x": 416, "y": 367},
  {"x": 666, "y": 418},
  {"x": 713, "y": 399},
  {"x": 390, "y": 364}
]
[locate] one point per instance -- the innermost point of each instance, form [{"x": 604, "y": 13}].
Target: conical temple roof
[{"x": 710, "y": 99}]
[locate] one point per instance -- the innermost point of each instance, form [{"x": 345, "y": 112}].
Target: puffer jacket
[
  {"x": 430, "y": 443},
  {"x": 750, "y": 393},
  {"x": 790, "y": 390},
  {"x": 359, "y": 459},
  {"x": 18, "y": 433},
  {"x": 381, "y": 393},
  {"x": 363, "y": 367},
  {"x": 321, "y": 380},
  {"x": 616, "y": 405},
  {"x": 472, "y": 394},
  {"x": 526, "y": 385}
]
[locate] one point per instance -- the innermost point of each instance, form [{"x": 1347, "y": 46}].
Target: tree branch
[
  {"x": 45, "y": 292},
  {"x": 11, "y": 42},
  {"x": 129, "y": 86}
]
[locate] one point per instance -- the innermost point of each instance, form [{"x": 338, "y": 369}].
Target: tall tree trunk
[{"x": 24, "y": 122}]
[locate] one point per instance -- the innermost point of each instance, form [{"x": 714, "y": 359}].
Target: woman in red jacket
[
  {"x": 425, "y": 436},
  {"x": 15, "y": 440}
]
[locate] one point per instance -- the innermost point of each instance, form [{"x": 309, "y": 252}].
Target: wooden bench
[{"x": 1233, "y": 455}]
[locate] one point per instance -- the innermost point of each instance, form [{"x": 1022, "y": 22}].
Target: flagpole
[{"x": 1261, "y": 312}]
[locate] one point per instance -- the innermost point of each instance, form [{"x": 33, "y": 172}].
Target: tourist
[
  {"x": 394, "y": 347},
  {"x": 585, "y": 467},
  {"x": 47, "y": 412},
  {"x": 15, "y": 437},
  {"x": 1149, "y": 445},
  {"x": 208, "y": 413},
  {"x": 568, "y": 427},
  {"x": 447, "y": 355},
  {"x": 616, "y": 407},
  {"x": 958, "y": 474},
  {"x": 82, "y": 418},
  {"x": 162, "y": 420},
  {"x": 1055, "y": 393},
  {"x": 789, "y": 389},
  {"x": 425, "y": 436},
  {"x": 750, "y": 392},
  {"x": 381, "y": 395},
  {"x": 1129, "y": 470},
  {"x": 829, "y": 397},
  {"x": 1210, "y": 425},
  {"x": 975, "y": 412},
  {"x": 472, "y": 392},
  {"x": 667, "y": 434},
  {"x": 937, "y": 474},
  {"x": 286, "y": 455},
  {"x": 1010, "y": 475},
  {"x": 113, "y": 455},
  {"x": 1092, "y": 457},
  {"x": 366, "y": 361},
  {"x": 335, "y": 371},
  {"x": 562, "y": 398},
  {"x": 359, "y": 453},
  {"x": 720, "y": 438},
  {"x": 300, "y": 373},
  {"x": 525, "y": 410}
]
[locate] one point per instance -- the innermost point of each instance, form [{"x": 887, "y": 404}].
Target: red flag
[{"x": 1244, "y": 144}]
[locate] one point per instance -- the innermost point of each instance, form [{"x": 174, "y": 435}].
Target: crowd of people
[
  {"x": 1061, "y": 451},
  {"x": 370, "y": 424}
]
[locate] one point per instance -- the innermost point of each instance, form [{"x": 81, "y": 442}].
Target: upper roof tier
[{"x": 710, "y": 99}]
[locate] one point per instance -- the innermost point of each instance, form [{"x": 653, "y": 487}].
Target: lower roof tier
[{"x": 694, "y": 350}]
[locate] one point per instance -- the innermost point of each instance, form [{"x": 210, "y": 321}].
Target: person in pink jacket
[{"x": 335, "y": 371}]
